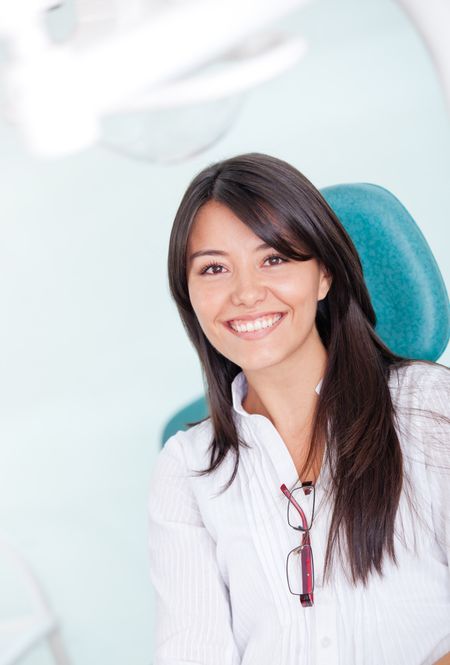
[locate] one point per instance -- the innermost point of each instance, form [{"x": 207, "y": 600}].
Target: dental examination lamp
[
  {"x": 158, "y": 79},
  {"x": 432, "y": 20}
]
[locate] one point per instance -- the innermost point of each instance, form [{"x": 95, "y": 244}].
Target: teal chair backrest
[{"x": 403, "y": 278}]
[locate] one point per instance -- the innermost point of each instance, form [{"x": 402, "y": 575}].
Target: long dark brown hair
[{"x": 354, "y": 411}]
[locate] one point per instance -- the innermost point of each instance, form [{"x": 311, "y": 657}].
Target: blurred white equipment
[
  {"x": 133, "y": 68},
  {"x": 432, "y": 20},
  {"x": 21, "y": 631}
]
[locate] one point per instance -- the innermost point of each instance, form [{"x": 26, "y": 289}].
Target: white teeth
[{"x": 257, "y": 324}]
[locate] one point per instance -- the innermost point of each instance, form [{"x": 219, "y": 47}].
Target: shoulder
[
  {"x": 421, "y": 399},
  {"x": 420, "y": 373},
  {"x": 421, "y": 384},
  {"x": 191, "y": 442},
  {"x": 181, "y": 454},
  {"x": 184, "y": 452}
]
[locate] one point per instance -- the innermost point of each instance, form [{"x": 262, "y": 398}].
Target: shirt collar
[{"x": 239, "y": 390}]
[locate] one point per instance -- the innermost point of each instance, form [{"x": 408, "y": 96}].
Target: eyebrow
[{"x": 218, "y": 252}]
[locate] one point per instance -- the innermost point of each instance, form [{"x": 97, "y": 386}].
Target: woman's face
[{"x": 256, "y": 307}]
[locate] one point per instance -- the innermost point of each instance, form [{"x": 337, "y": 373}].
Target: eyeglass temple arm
[{"x": 287, "y": 493}]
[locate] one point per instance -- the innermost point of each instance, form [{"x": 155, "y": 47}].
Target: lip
[
  {"x": 257, "y": 315},
  {"x": 255, "y": 334}
]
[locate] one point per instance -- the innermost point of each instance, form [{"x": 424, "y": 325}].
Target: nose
[{"x": 248, "y": 290}]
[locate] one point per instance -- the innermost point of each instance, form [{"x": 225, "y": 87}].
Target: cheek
[
  {"x": 297, "y": 291},
  {"x": 300, "y": 293},
  {"x": 204, "y": 304}
]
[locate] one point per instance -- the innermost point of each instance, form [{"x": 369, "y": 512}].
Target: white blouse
[{"x": 217, "y": 563}]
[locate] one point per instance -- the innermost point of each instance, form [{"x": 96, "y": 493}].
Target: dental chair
[{"x": 403, "y": 278}]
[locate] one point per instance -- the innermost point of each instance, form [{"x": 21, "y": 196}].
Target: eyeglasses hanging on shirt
[{"x": 299, "y": 562}]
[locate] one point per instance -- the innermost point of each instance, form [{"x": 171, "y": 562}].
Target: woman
[{"x": 307, "y": 520}]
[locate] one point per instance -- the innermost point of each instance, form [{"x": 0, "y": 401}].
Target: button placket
[{"x": 326, "y": 631}]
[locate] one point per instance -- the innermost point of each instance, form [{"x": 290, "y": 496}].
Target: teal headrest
[{"x": 404, "y": 281}]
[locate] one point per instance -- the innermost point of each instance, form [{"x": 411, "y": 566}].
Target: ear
[{"x": 324, "y": 283}]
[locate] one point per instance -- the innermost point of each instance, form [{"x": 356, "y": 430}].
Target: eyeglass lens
[{"x": 300, "y": 573}]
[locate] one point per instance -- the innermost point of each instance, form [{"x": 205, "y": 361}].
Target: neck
[{"x": 285, "y": 393}]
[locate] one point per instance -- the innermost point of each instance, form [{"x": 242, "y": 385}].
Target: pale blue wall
[{"x": 94, "y": 359}]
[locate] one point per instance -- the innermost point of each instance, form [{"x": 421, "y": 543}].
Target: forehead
[{"x": 215, "y": 221}]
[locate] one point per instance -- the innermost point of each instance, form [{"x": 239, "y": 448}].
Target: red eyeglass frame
[{"x": 306, "y": 599}]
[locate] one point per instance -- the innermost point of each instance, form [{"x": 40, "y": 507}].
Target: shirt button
[{"x": 325, "y": 642}]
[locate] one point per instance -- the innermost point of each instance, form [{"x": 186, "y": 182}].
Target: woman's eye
[
  {"x": 212, "y": 269},
  {"x": 274, "y": 260}
]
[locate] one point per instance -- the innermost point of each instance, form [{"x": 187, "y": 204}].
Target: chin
[{"x": 258, "y": 364}]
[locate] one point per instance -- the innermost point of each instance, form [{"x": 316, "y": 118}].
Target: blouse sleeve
[{"x": 193, "y": 617}]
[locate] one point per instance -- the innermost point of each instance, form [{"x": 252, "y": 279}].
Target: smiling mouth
[{"x": 259, "y": 325}]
